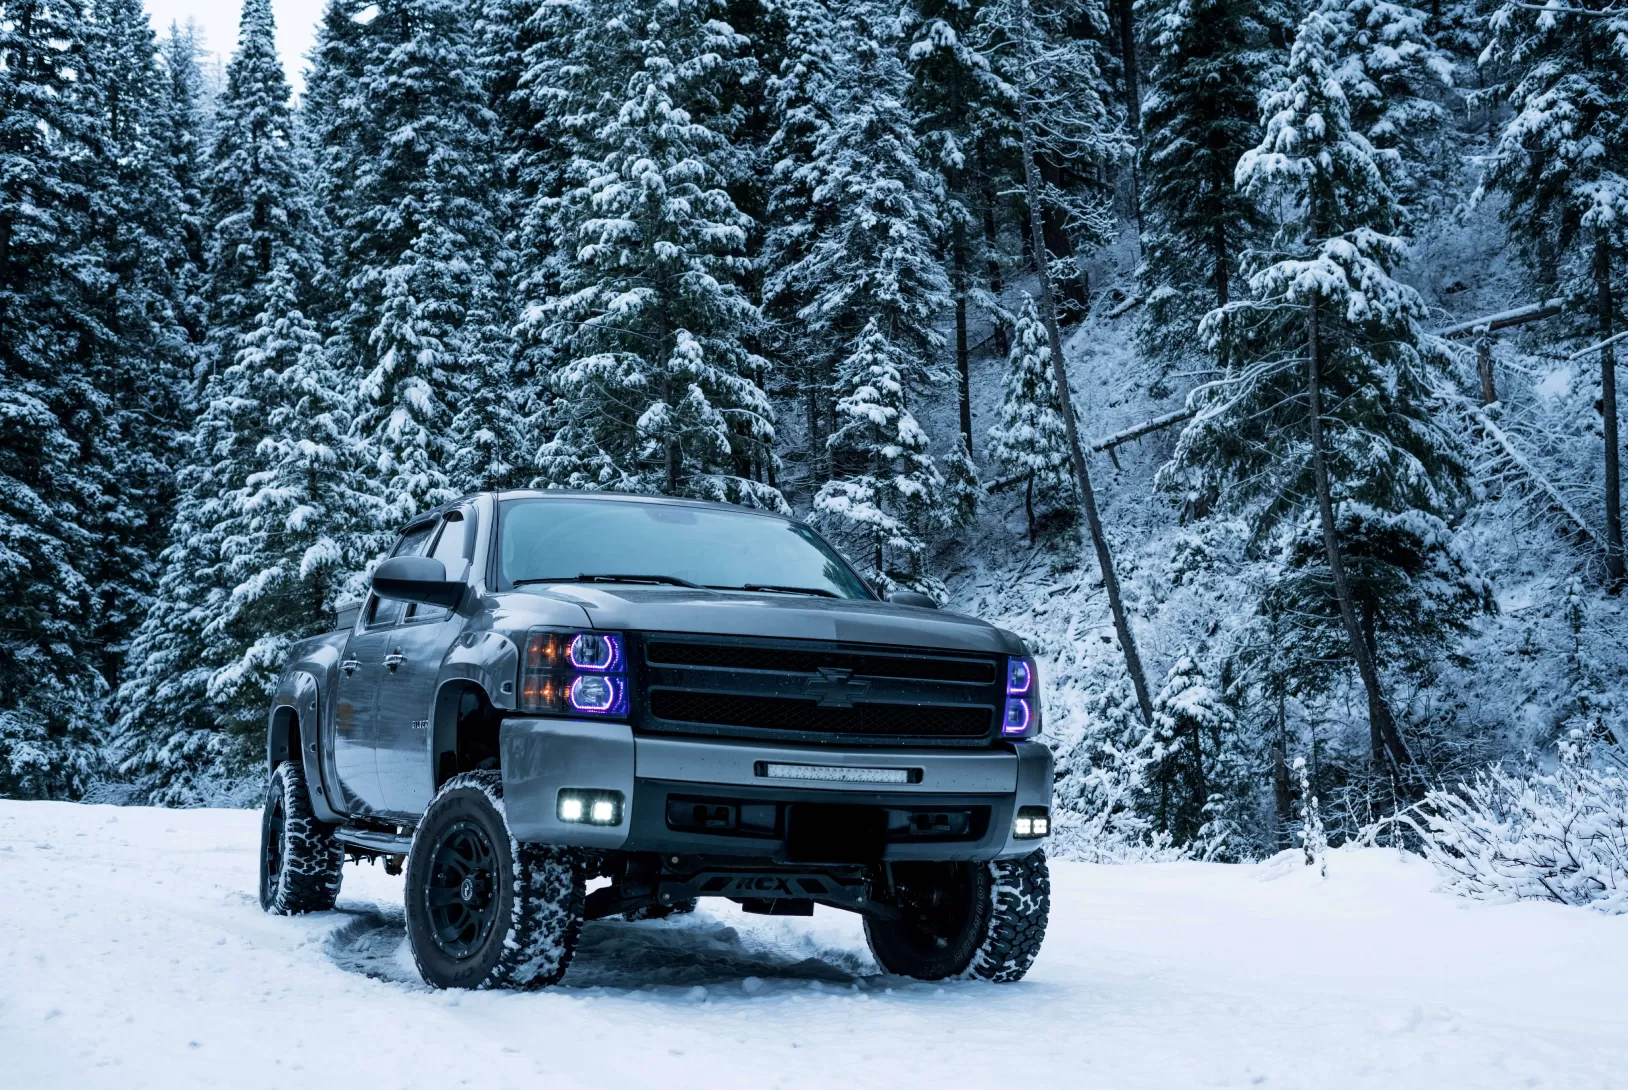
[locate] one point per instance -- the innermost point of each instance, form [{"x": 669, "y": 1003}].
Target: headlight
[
  {"x": 572, "y": 672},
  {"x": 1022, "y": 718}
]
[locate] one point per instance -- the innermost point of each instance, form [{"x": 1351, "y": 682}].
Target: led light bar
[{"x": 837, "y": 773}]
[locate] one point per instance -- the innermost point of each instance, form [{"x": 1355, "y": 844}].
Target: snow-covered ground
[{"x": 134, "y": 954}]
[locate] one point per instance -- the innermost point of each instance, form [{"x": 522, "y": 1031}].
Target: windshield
[{"x": 564, "y": 540}]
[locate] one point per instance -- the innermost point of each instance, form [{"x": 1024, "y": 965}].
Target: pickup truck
[{"x": 662, "y": 700}]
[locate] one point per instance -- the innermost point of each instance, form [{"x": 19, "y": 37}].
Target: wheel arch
[
  {"x": 293, "y": 732},
  {"x": 464, "y": 728}
]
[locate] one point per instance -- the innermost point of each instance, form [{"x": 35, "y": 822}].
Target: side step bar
[{"x": 371, "y": 840}]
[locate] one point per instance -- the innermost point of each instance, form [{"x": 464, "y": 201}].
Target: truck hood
[{"x": 781, "y": 616}]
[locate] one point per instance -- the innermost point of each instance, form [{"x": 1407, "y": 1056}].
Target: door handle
[
  {"x": 394, "y": 659},
  {"x": 350, "y": 666}
]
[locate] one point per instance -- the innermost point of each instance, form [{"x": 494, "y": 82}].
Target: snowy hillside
[{"x": 136, "y": 957}]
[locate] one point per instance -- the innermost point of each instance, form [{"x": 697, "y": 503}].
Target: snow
[{"x": 137, "y": 956}]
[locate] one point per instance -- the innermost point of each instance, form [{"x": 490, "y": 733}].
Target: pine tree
[
  {"x": 654, "y": 390},
  {"x": 143, "y": 357},
  {"x": 960, "y": 106},
  {"x": 962, "y": 492},
  {"x": 803, "y": 100},
  {"x": 284, "y": 552},
  {"x": 1200, "y": 777},
  {"x": 1562, "y": 161},
  {"x": 1031, "y": 439},
  {"x": 409, "y": 169},
  {"x": 891, "y": 496},
  {"x": 873, "y": 255},
  {"x": 167, "y": 734},
  {"x": 187, "y": 154},
  {"x": 1200, "y": 116},
  {"x": 50, "y": 136},
  {"x": 1329, "y": 406}
]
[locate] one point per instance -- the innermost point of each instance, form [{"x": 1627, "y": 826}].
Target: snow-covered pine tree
[
  {"x": 654, "y": 388},
  {"x": 284, "y": 552},
  {"x": 187, "y": 153},
  {"x": 1396, "y": 80},
  {"x": 889, "y": 497},
  {"x": 1562, "y": 160},
  {"x": 1198, "y": 118},
  {"x": 873, "y": 255},
  {"x": 960, "y": 106},
  {"x": 1031, "y": 439},
  {"x": 1053, "y": 53},
  {"x": 1200, "y": 777},
  {"x": 1327, "y": 411},
  {"x": 166, "y": 734},
  {"x": 410, "y": 167},
  {"x": 803, "y": 97},
  {"x": 962, "y": 491},
  {"x": 143, "y": 357},
  {"x": 50, "y": 131}
]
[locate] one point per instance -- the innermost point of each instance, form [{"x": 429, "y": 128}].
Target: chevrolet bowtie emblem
[{"x": 836, "y": 687}]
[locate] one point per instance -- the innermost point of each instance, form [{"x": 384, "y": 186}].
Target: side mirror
[
  {"x": 417, "y": 579},
  {"x": 912, "y": 598}
]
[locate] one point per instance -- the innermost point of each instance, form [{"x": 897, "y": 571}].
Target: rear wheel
[
  {"x": 484, "y": 910},
  {"x": 301, "y": 861},
  {"x": 980, "y": 920}
]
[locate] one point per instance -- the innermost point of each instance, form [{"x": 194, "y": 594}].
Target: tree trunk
[
  {"x": 1282, "y": 795},
  {"x": 1608, "y": 411},
  {"x": 1201, "y": 790},
  {"x": 963, "y": 363},
  {"x": 1382, "y": 727},
  {"x": 1028, "y": 506},
  {"x": 1133, "y": 98},
  {"x": 1076, "y": 290},
  {"x": 1054, "y": 339},
  {"x": 1483, "y": 368}
]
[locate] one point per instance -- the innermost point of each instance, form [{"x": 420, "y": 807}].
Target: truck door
[
  {"x": 356, "y": 703},
  {"x": 407, "y": 687}
]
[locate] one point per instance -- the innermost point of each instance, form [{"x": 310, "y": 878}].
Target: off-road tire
[
  {"x": 996, "y": 935},
  {"x": 301, "y": 861},
  {"x": 534, "y": 907}
]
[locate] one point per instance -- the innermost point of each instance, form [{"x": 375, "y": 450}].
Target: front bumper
[{"x": 977, "y": 792}]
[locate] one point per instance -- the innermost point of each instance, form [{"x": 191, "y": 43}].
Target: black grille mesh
[
  {"x": 924, "y": 668},
  {"x": 775, "y": 713}
]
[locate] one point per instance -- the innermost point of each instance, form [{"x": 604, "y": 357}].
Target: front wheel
[
  {"x": 984, "y": 921},
  {"x": 483, "y": 909},
  {"x": 301, "y": 861}
]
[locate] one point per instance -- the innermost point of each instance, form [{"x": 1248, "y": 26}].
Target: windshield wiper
[
  {"x": 818, "y": 592},
  {"x": 666, "y": 580}
]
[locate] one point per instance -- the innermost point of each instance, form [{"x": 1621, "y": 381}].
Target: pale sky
[{"x": 217, "y": 26}]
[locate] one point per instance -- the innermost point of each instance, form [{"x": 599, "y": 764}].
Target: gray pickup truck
[{"x": 664, "y": 700}]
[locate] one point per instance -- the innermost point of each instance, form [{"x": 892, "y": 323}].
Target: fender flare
[{"x": 296, "y": 720}]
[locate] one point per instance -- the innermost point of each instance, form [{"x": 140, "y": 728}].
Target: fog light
[
  {"x": 1031, "y": 823},
  {"x": 579, "y": 807}
]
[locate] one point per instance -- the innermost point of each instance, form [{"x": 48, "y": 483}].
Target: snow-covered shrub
[
  {"x": 1550, "y": 836},
  {"x": 1313, "y": 837}
]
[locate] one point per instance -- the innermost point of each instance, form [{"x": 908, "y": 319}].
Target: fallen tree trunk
[
  {"x": 1558, "y": 502},
  {"x": 1491, "y": 323},
  {"x": 1107, "y": 443}
]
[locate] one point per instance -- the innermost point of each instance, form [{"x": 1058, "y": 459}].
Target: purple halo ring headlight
[
  {"x": 1019, "y": 676},
  {"x": 595, "y": 651},
  {"x": 1019, "y": 715},
  {"x": 597, "y": 694}
]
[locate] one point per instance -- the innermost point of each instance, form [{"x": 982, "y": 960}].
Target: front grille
[
  {"x": 862, "y": 664},
  {"x": 781, "y": 714},
  {"x": 817, "y": 690}
]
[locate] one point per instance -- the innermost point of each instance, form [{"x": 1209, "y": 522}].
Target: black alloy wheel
[
  {"x": 275, "y": 835},
  {"x": 461, "y": 897},
  {"x": 483, "y": 909},
  {"x": 980, "y": 920}
]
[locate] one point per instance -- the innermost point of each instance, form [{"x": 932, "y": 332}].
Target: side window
[
  {"x": 381, "y": 611},
  {"x": 452, "y": 549}
]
